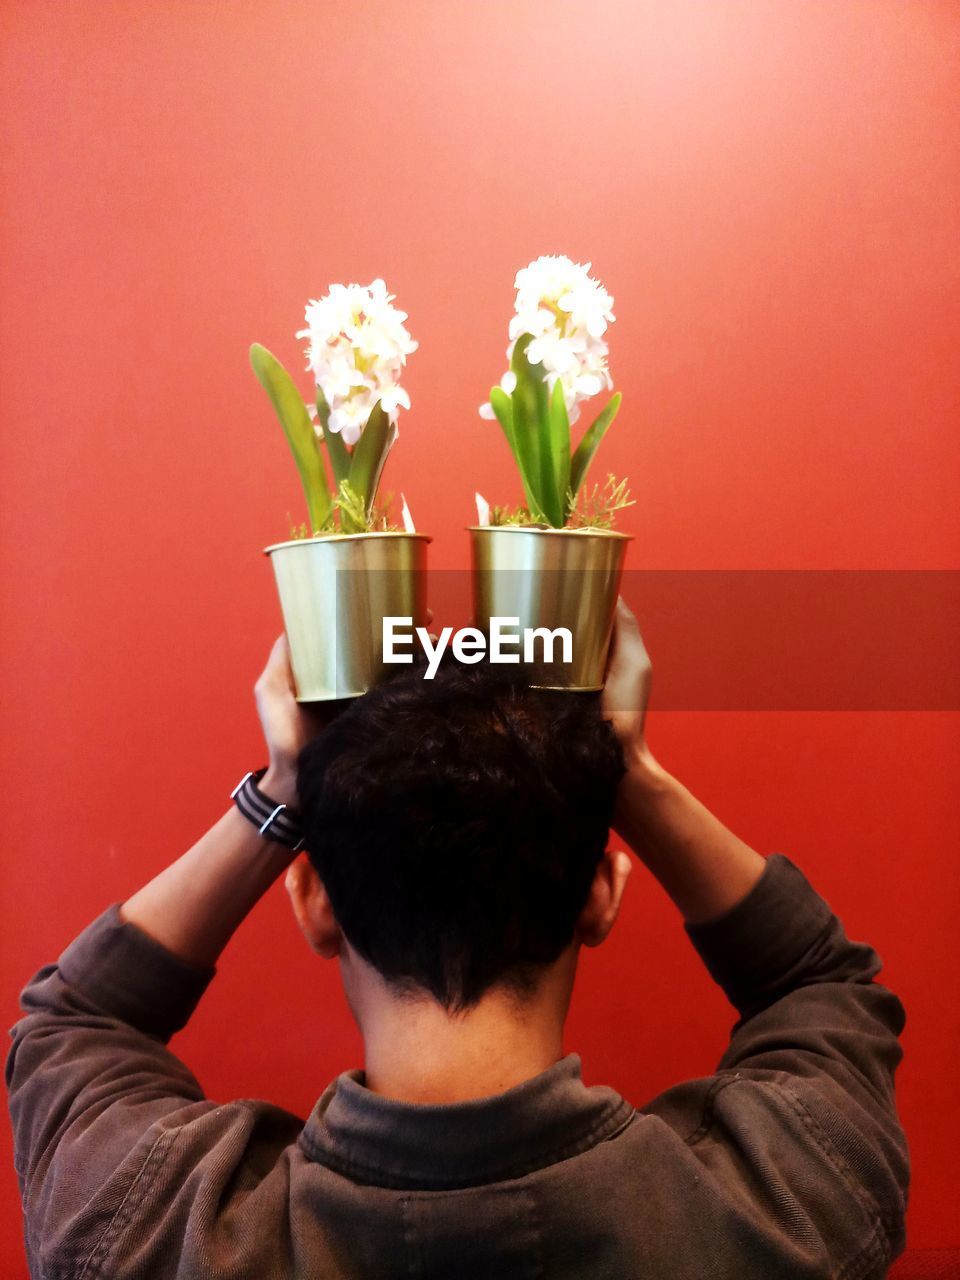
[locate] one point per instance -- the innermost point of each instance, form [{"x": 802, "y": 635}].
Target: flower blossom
[
  {"x": 567, "y": 313},
  {"x": 357, "y": 348}
]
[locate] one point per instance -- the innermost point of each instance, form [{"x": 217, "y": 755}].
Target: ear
[
  {"x": 603, "y": 902},
  {"x": 312, "y": 908}
]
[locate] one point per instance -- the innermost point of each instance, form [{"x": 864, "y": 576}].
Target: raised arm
[
  {"x": 94, "y": 1093},
  {"x": 704, "y": 868},
  {"x": 801, "y": 1113}
]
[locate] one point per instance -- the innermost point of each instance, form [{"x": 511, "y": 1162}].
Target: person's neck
[{"x": 416, "y": 1052}]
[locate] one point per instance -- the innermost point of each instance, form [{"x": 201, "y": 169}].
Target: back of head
[{"x": 457, "y": 824}]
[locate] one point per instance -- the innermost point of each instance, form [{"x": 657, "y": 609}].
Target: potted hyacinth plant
[
  {"x": 555, "y": 561},
  {"x": 339, "y": 576}
]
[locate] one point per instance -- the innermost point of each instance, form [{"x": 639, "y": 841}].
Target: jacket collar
[{"x": 378, "y": 1141}]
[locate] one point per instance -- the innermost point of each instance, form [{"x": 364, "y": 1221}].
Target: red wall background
[{"x": 770, "y": 192}]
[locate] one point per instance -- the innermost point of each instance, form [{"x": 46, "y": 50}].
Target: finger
[
  {"x": 628, "y": 650},
  {"x": 628, "y": 665},
  {"x": 429, "y": 616},
  {"x": 628, "y": 630},
  {"x": 278, "y": 673}
]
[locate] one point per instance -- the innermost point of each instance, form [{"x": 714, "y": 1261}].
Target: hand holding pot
[
  {"x": 626, "y": 690},
  {"x": 288, "y": 725}
]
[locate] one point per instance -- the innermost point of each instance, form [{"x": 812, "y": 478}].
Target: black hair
[{"x": 457, "y": 823}]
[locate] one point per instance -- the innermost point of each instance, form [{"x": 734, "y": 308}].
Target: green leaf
[
  {"x": 531, "y": 392},
  {"x": 587, "y": 447},
  {"x": 295, "y": 420},
  {"x": 559, "y": 434},
  {"x": 369, "y": 455},
  {"x": 336, "y": 449},
  {"x": 502, "y": 406},
  {"x": 531, "y": 433}
]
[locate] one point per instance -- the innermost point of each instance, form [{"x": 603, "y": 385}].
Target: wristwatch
[{"x": 274, "y": 821}]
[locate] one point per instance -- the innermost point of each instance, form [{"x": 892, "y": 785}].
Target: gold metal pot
[
  {"x": 552, "y": 578},
  {"x": 335, "y": 592}
]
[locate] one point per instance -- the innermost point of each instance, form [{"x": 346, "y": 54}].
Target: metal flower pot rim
[
  {"x": 346, "y": 537},
  {"x": 548, "y": 529}
]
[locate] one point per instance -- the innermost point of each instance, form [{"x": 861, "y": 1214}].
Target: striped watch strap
[{"x": 274, "y": 821}]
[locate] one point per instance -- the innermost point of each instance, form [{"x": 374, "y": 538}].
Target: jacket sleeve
[
  {"x": 88, "y": 1074},
  {"x": 802, "y": 1109}
]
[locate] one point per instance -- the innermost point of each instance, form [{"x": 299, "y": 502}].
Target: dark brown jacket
[{"x": 788, "y": 1162}]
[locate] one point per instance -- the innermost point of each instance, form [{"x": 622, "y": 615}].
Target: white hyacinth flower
[
  {"x": 357, "y": 348},
  {"x": 567, "y": 313}
]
